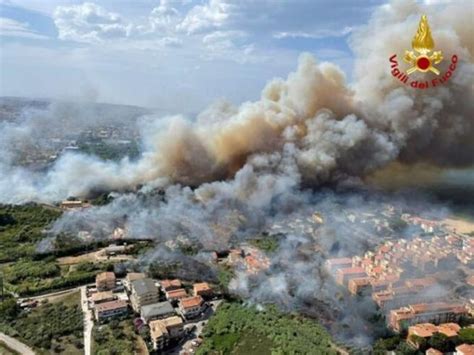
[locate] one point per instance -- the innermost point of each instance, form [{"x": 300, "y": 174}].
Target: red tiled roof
[
  {"x": 191, "y": 302},
  {"x": 108, "y": 306}
]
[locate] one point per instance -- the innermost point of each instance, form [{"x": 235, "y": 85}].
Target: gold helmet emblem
[{"x": 423, "y": 44}]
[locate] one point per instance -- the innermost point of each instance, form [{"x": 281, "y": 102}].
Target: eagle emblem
[{"x": 423, "y": 44}]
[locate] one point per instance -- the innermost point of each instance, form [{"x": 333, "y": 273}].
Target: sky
[{"x": 176, "y": 55}]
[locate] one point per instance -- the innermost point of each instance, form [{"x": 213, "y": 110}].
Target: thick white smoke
[{"x": 312, "y": 126}]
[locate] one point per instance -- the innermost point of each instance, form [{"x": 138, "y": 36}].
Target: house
[
  {"x": 427, "y": 330},
  {"x": 176, "y": 295},
  {"x": 105, "y": 281},
  {"x": 191, "y": 307},
  {"x": 168, "y": 285},
  {"x": 111, "y": 309},
  {"x": 164, "y": 330},
  {"x": 332, "y": 265},
  {"x": 202, "y": 289},
  {"x": 433, "y": 351},
  {"x": 437, "y": 312},
  {"x": 159, "y": 335},
  {"x": 344, "y": 275},
  {"x": 360, "y": 286},
  {"x": 143, "y": 292},
  {"x": 157, "y": 310},
  {"x": 464, "y": 349},
  {"x": 101, "y": 297},
  {"x": 132, "y": 276}
]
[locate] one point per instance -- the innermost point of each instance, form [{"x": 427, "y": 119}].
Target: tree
[
  {"x": 440, "y": 342},
  {"x": 9, "y": 309},
  {"x": 466, "y": 335}
]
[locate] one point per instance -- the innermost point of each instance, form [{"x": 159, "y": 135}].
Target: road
[
  {"x": 191, "y": 342},
  {"x": 88, "y": 322},
  {"x": 16, "y": 345},
  {"x": 50, "y": 295}
]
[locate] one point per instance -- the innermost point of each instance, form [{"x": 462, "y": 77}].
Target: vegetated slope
[{"x": 238, "y": 329}]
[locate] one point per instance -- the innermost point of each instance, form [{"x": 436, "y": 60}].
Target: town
[{"x": 423, "y": 286}]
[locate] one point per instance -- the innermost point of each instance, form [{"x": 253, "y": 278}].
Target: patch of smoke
[
  {"x": 296, "y": 279},
  {"x": 326, "y": 130}
]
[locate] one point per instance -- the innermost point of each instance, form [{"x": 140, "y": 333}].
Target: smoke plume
[{"x": 234, "y": 172}]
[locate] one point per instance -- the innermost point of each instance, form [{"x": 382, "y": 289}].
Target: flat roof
[{"x": 157, "y": 309}]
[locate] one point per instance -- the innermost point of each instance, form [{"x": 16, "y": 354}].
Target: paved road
[
  {"x": 88, "y": 323},
  {"x": 16, "y": 345}
]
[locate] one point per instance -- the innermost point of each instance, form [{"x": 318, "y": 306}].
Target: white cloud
[
  {"x": 12, "y": 28},
  {"x": 315, "y": 34},
  {"x": 206, "y": 17},
  {"x": 164, "y": 17},
  {"x": 89, "y": 23}
]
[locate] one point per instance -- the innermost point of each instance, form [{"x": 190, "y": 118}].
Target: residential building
[
  {"x": 111, "y": 309},
  {"x": 332, "y": 265},
  {"x": 202, "y": 289},
  {"x": 344, "y": 275},
  {"x": 101, "y": 297},
  {"x": 144, "y": 292},
  {"x": 176, "y": 295},
  {"x": 433, "y": 351},
  {"x": 157, "y": 310},
  {"x": 133, "y": 276},
  {"x": 438, "y": 312},
  {"x": 174, "y": 325},
  {"x": 168, "y": 285},
  {"x": 427, "y": 330},
  {"x": 464, "y": 349},
  {"x": 191, "y": 307},
  {"x": 105, "y": 281},
  {"x": 159, "y": 335},
  {"x": 164, "y": 330},
  {"x": 360, "y": 286}
]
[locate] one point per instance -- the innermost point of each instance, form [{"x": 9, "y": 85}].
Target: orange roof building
[
  {"x": 344, "y": 275},
  {"x": 105, "y": 281},
  {"x": 202, "y": 289},
  {"x": 168, "y": 285},
  {"x": 437, "y": 312},
  {"x": 191, "y": 306},
  {"x": 175, "y": 295},
  {"x": 465, "y": 349}
]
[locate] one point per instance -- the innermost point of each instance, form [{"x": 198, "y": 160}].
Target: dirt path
[{"x": 16, "y": 345}]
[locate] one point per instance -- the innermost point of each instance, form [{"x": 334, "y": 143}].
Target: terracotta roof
[
  {"x": 423, "y": 330},
  {"x": 351, "y": 270},
  {"x": 361, "y": 281},
  {"x": 191, "y": 302},
  {"x": 166, "y": 284},
  {"x": 202, "y": 286},
  {"x": 433, "y": 351},
  {"x": 100, "y": 296},
  {"x": 449, "y": 329},
  {"x": 465, "y": 349},
  {"x": 108, "y": 306},
  {"x": 105, "y": 276},
  {"x": 423, "y": 307},
  {"x": 179, "y": 293}
]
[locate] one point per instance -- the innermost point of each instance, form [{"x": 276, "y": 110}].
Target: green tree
[{"x": 466, "y": 335}]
